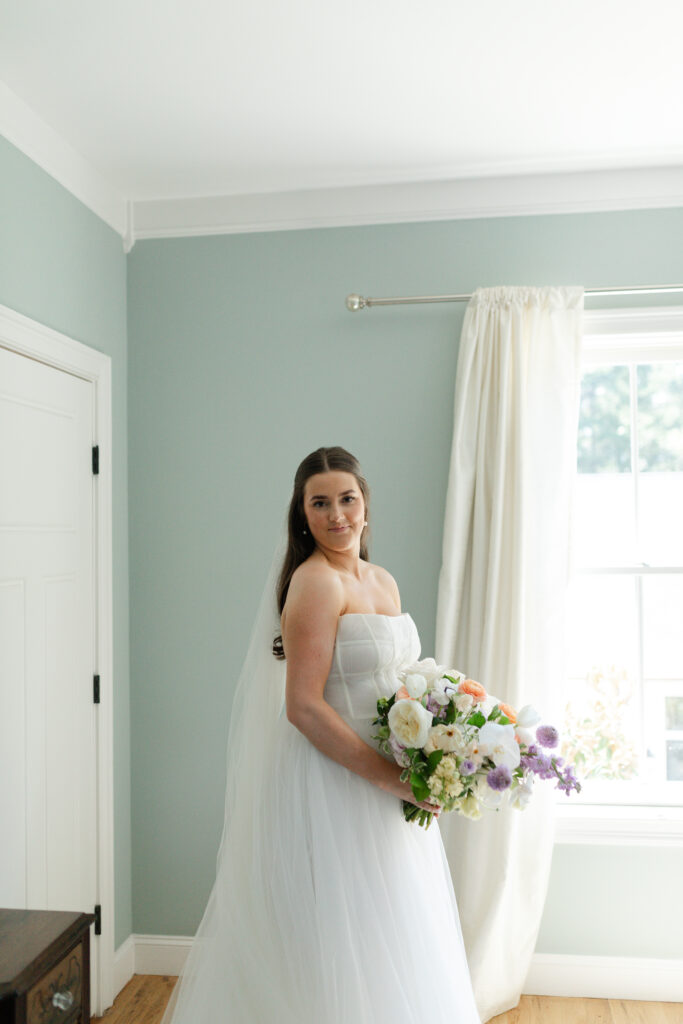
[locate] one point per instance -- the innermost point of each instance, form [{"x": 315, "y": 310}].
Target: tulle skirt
[{"x": 333, "y": 910}]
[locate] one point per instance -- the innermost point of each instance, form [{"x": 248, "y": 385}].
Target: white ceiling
[{"x": 168, "y": 99}]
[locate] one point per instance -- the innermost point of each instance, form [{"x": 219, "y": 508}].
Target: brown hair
[{"x": 301, "y": 545}]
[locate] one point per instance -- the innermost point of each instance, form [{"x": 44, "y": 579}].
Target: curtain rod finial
[{"x": 355, "y": 302}]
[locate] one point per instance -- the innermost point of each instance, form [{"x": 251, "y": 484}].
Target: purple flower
[
  {"x": 547, "y": 735},
  {"x": 500, "y": 777},
  {"x": 467, "y": 767},
  {"x": 398, "y": 750},
  {"x": 539, "y": 764}
]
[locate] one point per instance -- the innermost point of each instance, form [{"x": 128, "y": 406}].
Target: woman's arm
[{"x": 314, "y": 603}]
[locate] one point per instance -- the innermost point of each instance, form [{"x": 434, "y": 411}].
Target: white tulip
[
  {"x": 415, "y": 684},
  {"x": 528, "y": 716}
]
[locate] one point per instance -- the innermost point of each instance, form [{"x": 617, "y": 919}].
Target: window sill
[{"x": 604, "y": 825}]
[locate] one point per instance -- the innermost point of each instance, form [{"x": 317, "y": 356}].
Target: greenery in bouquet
[{"x": 461, "y": 748}]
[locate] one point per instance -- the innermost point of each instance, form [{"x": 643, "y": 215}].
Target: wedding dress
[{"x": 344, "y": 913}]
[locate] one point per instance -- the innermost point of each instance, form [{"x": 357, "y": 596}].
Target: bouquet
[{"x": 463, "y": 749}]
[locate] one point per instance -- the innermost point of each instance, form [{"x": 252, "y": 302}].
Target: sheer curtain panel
[{"x": 502, "y": 586}]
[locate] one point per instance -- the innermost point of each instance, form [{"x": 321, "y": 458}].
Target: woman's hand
[{"x": 404, "y": 791}]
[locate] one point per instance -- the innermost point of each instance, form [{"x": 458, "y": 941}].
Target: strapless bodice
[{"x": 369, "y": 651}]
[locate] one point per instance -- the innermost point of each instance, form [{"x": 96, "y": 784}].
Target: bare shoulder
[{"x": 314, "y": 585}]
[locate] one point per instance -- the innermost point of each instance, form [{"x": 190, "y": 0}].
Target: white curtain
[{"x": 502, "y": 586}]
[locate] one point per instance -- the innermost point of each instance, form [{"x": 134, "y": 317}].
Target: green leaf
[
  {"x": 450, "y": 713},
  {"x": 476, "y": 719},
  {"x": 419, "y": 786},
  {"x": 433, "y": 759}
]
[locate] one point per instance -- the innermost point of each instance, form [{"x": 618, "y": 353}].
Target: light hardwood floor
[{"x": 144, "y": 999}]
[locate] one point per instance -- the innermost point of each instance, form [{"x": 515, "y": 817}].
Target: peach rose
[
  {"x": 508, "y": 711},
  {"x": 474, "y": 689},
  {"x": 402, "y": 694}
]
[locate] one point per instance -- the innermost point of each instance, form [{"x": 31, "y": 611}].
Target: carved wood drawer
[
  {"x": 57, "y": 996},
  {"x": 44, "y": 967}
]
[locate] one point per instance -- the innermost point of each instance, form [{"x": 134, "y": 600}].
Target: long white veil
[{"x": 237, "y": 923}]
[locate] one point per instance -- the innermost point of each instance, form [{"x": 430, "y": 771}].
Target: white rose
[
  {"x": 527, "y": 736},
  {"x": 528, "y": 716},
  {"x": 415, "y": 684},
  {"x": 410, "y": 722},
  {"x": 498, "y": 742}
]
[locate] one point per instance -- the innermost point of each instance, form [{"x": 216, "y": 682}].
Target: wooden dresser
[{"x": 44, "y": 967}]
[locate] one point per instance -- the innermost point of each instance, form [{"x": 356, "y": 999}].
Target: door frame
[{"x": 27, "y": 337}]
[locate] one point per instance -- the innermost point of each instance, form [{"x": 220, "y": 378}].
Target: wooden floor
[{"x": 144, "y": 999}]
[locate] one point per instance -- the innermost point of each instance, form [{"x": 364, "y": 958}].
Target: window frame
[{"x": 629, "y": 334}]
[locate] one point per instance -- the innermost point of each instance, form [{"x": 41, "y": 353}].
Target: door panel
[{"x": 48, "y": 749}]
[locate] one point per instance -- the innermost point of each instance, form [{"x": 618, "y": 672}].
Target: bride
[{"x": 328, "y": 907}]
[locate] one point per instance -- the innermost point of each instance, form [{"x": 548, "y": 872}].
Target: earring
[{"x": 304, "y": 531}]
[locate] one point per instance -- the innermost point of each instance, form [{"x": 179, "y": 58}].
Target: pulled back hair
[{"x": 301, "y": 545}]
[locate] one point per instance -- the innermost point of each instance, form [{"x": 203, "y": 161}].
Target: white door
[{"x": 48, "y": 740}]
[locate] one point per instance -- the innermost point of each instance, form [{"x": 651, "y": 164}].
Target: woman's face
[{"x": 335, "y": 510}]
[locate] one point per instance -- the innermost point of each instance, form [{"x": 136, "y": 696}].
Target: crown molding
[
  {"x": 478, "y": 196},
  {"x": 37, "y": 140},
  {"x": 464, "y": 198}
]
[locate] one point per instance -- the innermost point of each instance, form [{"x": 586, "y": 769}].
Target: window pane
[
  {"x": 674, "y": 712},
  {"x": 604, "y": 421},
  {"x": 601, "y": 624},
  {"x": 601, "y": 727},
  {"x": 600, "y": 734},
  {"x": 674, "y": 761},
  {"x": 603, "y": 526},
  {"x": 660, "y": 417},
  {"x": 662, "y": 619},
  {"x": 661, "y": 515}
]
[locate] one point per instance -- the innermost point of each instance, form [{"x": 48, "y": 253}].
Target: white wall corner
[
  {"x": 124, "y": 964},
  {"x": 21, "y": 126}
]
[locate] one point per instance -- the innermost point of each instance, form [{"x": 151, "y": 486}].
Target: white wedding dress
[{"x": 362, "y": 925}]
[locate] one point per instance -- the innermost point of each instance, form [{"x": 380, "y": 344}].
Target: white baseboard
[
  {"x": 605, "y": 977},
  {"x": 550, "y": 974}
]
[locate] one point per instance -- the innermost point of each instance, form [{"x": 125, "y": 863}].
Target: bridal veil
[{"x": 237, "y": 922}]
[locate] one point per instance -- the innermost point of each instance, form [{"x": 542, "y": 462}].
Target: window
[{"x": 624, "y": 701}]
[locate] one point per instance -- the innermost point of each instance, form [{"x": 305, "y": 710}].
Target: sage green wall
[
  {"x": 242, "y": 360},
  {"x": 64, "y": 267}
]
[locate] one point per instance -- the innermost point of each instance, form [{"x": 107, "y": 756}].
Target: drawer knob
[{"x": 63, "y": 1000}]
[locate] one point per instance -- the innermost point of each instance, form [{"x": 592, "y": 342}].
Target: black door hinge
[
  {"x": 98, "y": 919},
  {"x": 96, "y": 689},
  {"x": 96, "y": 460}
]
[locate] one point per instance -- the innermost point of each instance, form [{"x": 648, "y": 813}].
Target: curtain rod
[{"x": 354, "y": 302}]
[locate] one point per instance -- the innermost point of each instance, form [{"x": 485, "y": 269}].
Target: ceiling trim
[
  {"x": 42, "y": 144},
  {"x": 465, "y": 198},
  {"x": 510, "y": 195}
]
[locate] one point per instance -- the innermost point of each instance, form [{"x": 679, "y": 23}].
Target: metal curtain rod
[{"x": 354, "y": 302}]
